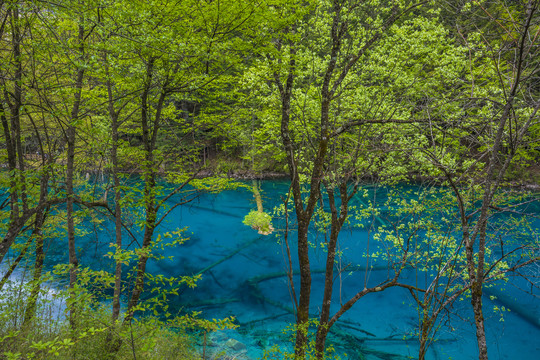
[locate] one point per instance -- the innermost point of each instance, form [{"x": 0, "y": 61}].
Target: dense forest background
[{"x": 102, "y": 101}]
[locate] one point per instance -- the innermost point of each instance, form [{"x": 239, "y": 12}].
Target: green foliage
[
  {"x": 49, "y": 336},
  {"x": 260, "y": 221},
  {"x": 149, "y": 339},
  {"x": 280, "y": 353},
  {"x": 212, "y": 185},
  {"x": 420, "y": 103},
  {"x": 196, "y": 323}
]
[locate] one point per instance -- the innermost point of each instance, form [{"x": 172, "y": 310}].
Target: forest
[{"x": 382, "y": 147}]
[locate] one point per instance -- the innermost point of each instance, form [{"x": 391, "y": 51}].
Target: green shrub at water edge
[
  {"x": 48, "y": 335},
  {"x": 148, "y": 338}
]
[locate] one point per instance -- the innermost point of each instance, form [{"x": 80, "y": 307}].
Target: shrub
[{"x": 260, "y": 221}]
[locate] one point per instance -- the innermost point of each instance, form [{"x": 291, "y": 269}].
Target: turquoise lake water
[{"x": 250, "y": 285}]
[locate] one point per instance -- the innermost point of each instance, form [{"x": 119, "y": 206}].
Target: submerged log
[
  {"x": 264, "y": 224},
  {"x": 384, "y": 355},
  {"x": 257, "y": 196},
  {"x": 211, "y": 302},
  {"x": 353, "y": 326},
  {"x": 273, "y": 317},
  {"x": 227, "y": 257},
  {"x": 216, "y": 211},
  {"x": 275, "y": 275}
]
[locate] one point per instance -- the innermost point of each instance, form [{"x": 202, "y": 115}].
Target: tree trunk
[
  {"x": 72, "y": 251},
  {"x": 17, "y": 104},
  {"x": 117, "y": 206},
  {"x": 425, "y": 328},
  {"x": 302, "y": 316},
  {"x": 337, "y": 221},
  {"x": 303, "y": 217},
  {"x": 12, "y": 134},
  {"x": 118, "y": 236},
  {"x": 476, "y": 301},
  {"x": 149, "y": 134},
  {"x": 30, "y": 311},
  {"x": 70, "y": 193},
  {"x": 330, "y": 86},
  {"x": 257, "y": 196}
]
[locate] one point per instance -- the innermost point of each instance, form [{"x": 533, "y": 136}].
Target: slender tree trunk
[
  {"x": 117, "y": 206},
  {"x": 303, "y": 217},
  {"x": 337, "y": 221},
  {"x": 113, "y": 342},
  {"x": 13, "y": 143},
  {"x": 31, "y": 306},
  {"x": 17, "y": 104},
  {"x": 302, "y": 315},
  {"x": 476, "y": 301},
  {"x": 257, "y": 196},
  {"x": 141, "y": 265},
  {"x": 16, "y": 161},
  {"x": 323, "y": 328},
  {"x": 12, "y": 165},
  {"x": 494, "y": 175},
  {"x": 425, "y": 329},
  {"x": 149, "y": 134},
  {"x": 330, "y": 85},
  {"x": 40, "y": 254},
  {"x": 70, "y": 170},
  {"x": 118, "y": 232},
  {"x": 72, "y": 251}
]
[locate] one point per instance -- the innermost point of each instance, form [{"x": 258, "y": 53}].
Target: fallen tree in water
[{"x": 259, "y": 220}]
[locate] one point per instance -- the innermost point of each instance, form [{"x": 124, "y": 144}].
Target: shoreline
[
  {"x": 242, "y": 174},
  {"x": 414, "y": 180}
]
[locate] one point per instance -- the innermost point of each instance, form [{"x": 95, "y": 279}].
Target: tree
[
  {"x": 495, "y": 120},
  {"x": 177, "y": 53},
  {"x": 321, "y": 67},
  {"x": 79, "y": 57}
]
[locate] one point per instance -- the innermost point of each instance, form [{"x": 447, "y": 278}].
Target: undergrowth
[{"x": 48, "y": 335}]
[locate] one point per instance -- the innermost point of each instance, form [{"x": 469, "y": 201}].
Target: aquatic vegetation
[{"x": 260, "y": 221}]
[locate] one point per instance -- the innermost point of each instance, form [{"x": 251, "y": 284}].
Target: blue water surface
[{"x": 250, "y": 284}]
